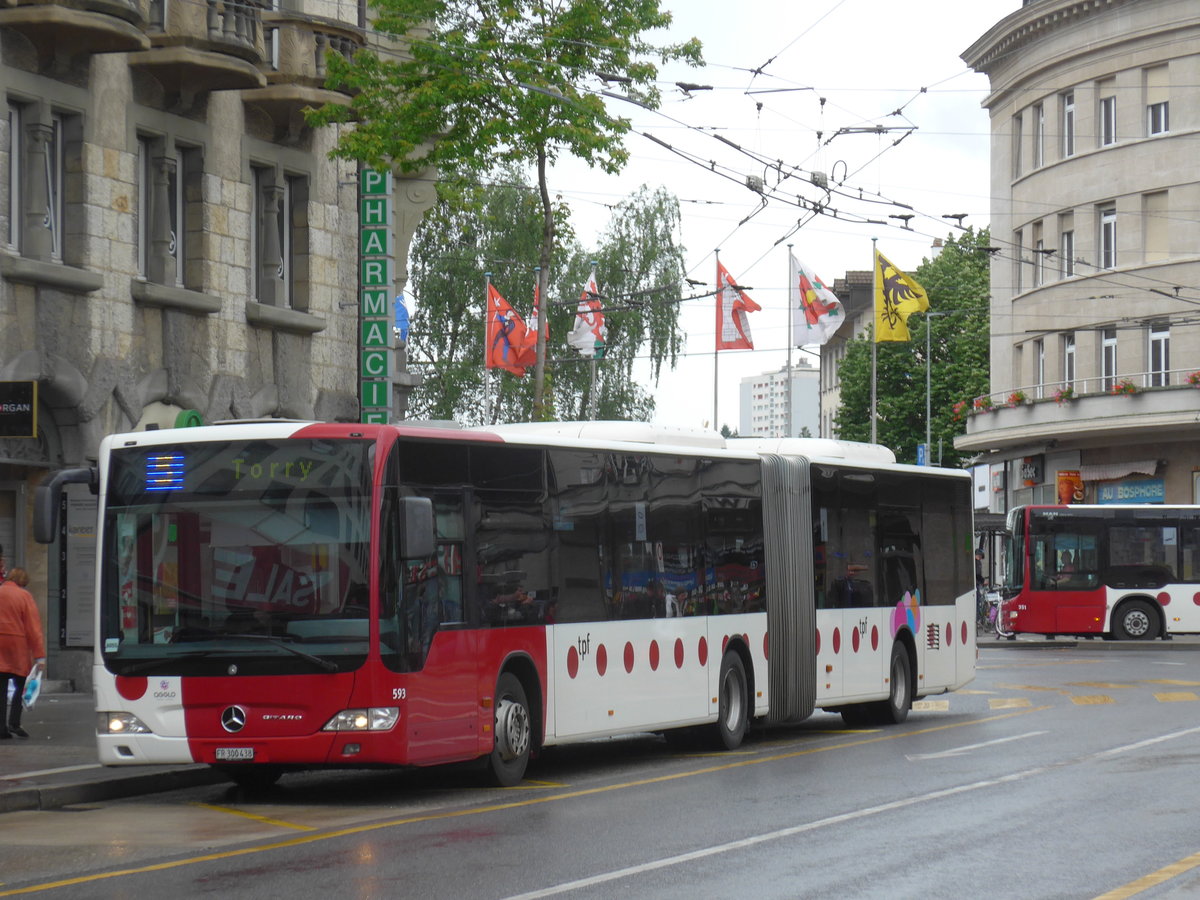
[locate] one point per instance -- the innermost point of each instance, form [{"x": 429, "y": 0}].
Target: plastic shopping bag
[{"x": 33, "y": 687}]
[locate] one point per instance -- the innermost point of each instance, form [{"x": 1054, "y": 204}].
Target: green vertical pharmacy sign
[{"x": 375, "y": 269}]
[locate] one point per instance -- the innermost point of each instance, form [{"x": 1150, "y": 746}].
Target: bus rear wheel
[
  {"x": 514, "y": 733},
  {"x": 1134, "y": 621},
  {"x": 733, "y": 702},
  {"x": 894, "y": 709}
]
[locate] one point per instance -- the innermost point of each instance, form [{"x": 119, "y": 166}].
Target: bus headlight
[
  {"x": 377, "y": 718},
  {"x": 120, "y": 723}
]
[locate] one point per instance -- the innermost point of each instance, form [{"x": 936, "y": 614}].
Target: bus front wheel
[
  {"x": 514, "y": 732},
  {"x": 732, "y": 701},
  {"x": 1135, "y": 621}
]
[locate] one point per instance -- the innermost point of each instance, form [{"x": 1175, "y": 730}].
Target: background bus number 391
[{"x": 399, "y": 693}]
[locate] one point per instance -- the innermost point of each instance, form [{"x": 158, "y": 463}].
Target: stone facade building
[
  {"x": 1095, "y": 288},
  {"x": 173, "y": 237}
]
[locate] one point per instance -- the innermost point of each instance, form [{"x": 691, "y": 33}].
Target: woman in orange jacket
[{"x": 22, "y": 645}]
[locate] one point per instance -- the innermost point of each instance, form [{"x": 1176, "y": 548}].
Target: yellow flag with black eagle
[{"x": 897, "y": 296}]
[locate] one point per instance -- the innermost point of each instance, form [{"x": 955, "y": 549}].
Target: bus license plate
[{"x": 231, "y": 754}]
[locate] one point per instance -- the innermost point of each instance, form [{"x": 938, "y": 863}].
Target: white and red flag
[
  {"x": 733, "y": 305},
  {"x": 590, "y": 333},
  {"x": 816, "y": 310}
]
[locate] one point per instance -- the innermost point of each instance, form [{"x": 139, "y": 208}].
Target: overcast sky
[{"x": 868, "y": 61}]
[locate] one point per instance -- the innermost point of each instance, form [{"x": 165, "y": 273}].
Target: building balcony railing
[
  {"x": 199, "y": 46},
  {"x": 297, "y": 50},
  {"x": 64, "y": 30},
  {"x": 1087, "y": 408}
]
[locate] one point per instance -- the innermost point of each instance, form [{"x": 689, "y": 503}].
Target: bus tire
[
  {"x": 513, "y": 733},
  {"x": 1135, "y": 621},
  {"x": 894, "y": 709},
  {"x": 732, "y": 701}
]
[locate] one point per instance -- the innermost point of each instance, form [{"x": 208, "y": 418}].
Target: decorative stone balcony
[
  {"x": 199, "y": 46},
  {"x": 62, "y": 31},
  {"x": 296, "y": 68},
  {"x": 1159, "y": 413}
]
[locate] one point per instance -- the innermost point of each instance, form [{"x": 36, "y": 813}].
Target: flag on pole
[
  {"x": 897, "y": 297},
  {"x": 733, "y": 304},
  {"x": 590, "y": 333},
  {"x": 510, "y": 343},
  {"x": 816, "y": 310}
]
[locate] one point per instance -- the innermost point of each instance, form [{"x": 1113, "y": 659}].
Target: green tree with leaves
[
  {"x": 958, "y": 288},
  {"x": 496, "y": 228},
  {"x": 487, "y": 79}
]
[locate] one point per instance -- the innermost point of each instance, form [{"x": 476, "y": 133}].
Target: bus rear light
[
  {"x": 120, "y": 723},
  {"x": 377, "y": 718}
]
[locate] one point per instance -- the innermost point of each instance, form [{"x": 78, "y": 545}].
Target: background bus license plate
[{"x": 241, "y": 754}]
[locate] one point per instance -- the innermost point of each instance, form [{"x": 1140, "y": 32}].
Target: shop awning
[{"x": 1113, "y": 471}]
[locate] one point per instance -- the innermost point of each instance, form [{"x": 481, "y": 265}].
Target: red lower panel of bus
[
  {"x": 1059, "y": 612},
  {"x": 446, "y": 710}
]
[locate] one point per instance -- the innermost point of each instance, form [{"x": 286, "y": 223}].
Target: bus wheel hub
[{"x": 512, "y": 729}]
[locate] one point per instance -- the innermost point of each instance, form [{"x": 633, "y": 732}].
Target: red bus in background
[
  {"x": 281, "y": 595},
  {"x": 1125, "y": 572}
]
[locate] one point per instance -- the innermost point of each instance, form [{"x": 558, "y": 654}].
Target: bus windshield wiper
[
  {"x": 148, "y": 664},
  {"x": 327, "y": 664}
]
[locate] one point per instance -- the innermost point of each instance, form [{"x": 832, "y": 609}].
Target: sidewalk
[{"x": 56, "y": 765}]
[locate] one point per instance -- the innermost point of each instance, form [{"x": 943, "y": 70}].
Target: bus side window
[{"x": 1190, "y": 554}]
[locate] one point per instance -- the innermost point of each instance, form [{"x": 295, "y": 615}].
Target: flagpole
[
  {"x": 593, "y": 401},
  {"x": 874, "y": 337},
  {"x": 487, "y": 394},
  {"x": 716, "y": 339},
  {"x": 791, "y": 340},
  {"x": 928, "y": 366}
]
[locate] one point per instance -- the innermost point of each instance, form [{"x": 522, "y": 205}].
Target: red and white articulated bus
[
  {"x": 282, "y": 595},
  {"x": 1125, "y": 572}
]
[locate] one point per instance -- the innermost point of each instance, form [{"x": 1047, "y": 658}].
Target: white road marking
[
  {"x": 666, "y": 862},
  {"x": 16, "y": 776},
  {"x": 959, "y": 751}
]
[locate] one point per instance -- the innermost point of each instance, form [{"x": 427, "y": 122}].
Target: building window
[
  {"x": 1108, "y": 359},
  {"x": 1019, "y": 246},
  {"x": 1016, "y": 150},
  {"x": 1160, "y": 354},
  {"x": 1039, "y": 136},
  {"x": 1039, "y": 255},
  {"x": 38, "y": 152},
  {"x": 1069, "y": 360},
  {"x": 1066, "y": 253},
  {"x": 1108, "y": 120},
  {"x": 280, "y": 237},
  {"x": 170, "y": 211},
  {"x": 1068, "y": 124},
  {"x": 13, "y": 149},
  {"x": 1039, "y": 360},
  {"x": 1108, "y": 237},
  {"x": 1157, "y": 109}
]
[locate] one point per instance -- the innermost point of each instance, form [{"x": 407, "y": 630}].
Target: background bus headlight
[
  {"x": 120, "y": 723},
  {"x": 377, "y": 718}
]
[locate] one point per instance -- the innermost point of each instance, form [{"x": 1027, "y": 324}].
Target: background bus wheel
[
  {"x": 894, "y": 709},
  {"x": 1135, "y": 621},
  {"x": 514, "y": 733},
  {"x": 732, "y": 701},
  {"x": 252, "y": 778}
]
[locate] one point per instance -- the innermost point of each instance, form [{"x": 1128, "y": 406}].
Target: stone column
[
  {"x": 160, "y": 264},
  {"x": 38, "y": 237}
]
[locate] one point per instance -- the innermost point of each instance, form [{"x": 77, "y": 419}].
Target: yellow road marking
[
  {"x": 248, "y": 815},
  {"x": 932, "y": 705},
  {"x": 1172, "y": 681},
  {"x": 1176, "y": 696},
  {"x": 1098, "y": 684},
  {"x": 965, "y": 691},
  {"x": 1031, "y": 687},
  {"x": 312, "y": 838},
  {"x": 1091, "y": 699},
  {"x": 1166, "y": 873},
  {"x": 1009, "y": 703}
]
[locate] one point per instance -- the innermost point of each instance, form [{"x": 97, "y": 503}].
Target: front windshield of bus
[{"x": 244, "y": 556}]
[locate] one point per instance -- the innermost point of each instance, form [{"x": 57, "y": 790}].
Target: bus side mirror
[
  {"x": 49, "y": 495},
  {"x": 416, "y": 528}
]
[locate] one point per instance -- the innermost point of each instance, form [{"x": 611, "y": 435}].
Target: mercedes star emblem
[{"x": 233, "y": 719}]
